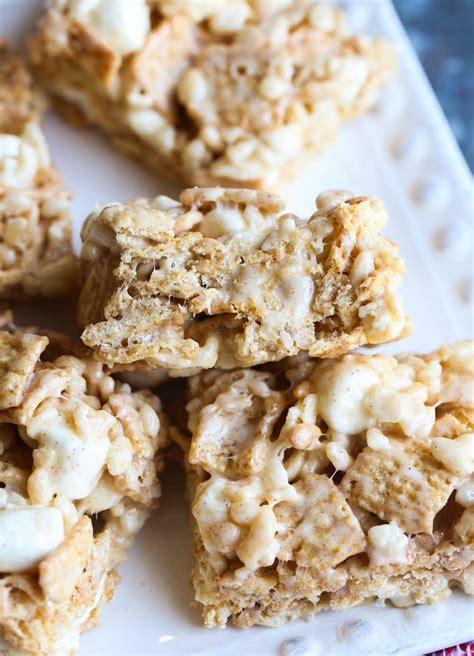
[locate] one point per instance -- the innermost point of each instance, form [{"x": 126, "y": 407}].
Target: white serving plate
[{"x": 403, "y": 152}]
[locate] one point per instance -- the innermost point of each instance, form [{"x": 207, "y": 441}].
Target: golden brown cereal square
[
  {"x": 327, "y": 531},
  {"x": 403, "y": 483},
  {"x": 19, "y": 354}
]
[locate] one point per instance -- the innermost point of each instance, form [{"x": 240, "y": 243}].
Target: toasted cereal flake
[
  {"x": 403, "y": 483},
  {"x": 327, "y": 532},
  {"x": 18, "y": 357}
]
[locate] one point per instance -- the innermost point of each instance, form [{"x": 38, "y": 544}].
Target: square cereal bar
[
  {"x": 227, "y": 278},
  {"x": 79, "y": 457},
  {"x": 321, "y": 484},
  {"x": 35, "y": 226},
  {"x": 231, "y": 92}
]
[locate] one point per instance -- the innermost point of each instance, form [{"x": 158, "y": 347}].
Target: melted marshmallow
[
  {"x": 123, "y": 24},
  {"x": 387, "y": 544},
  {"x": 27, "y": 535},
  {"x": 341, "y": 390},
  {"x": 79, "y": 446}
]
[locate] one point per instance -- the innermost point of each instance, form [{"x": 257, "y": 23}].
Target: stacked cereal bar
[
  {"x": 35, "y": 229},
  {"x": 79, "y": 456},
  {"x": 330, "y": 483},
  {"x": 227, "y": 278},
  {"x": 231, "y": 92}
]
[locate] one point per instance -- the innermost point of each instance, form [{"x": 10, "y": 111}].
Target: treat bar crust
[
  {"x": 231, "y": 92},
  {"x": 331, "y": 483},
  {"x": 35, "y": 227},
  {"x": 79, "y": 456},
  {"x": 227, "y": 278}
]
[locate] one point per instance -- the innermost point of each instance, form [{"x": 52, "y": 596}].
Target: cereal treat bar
[
  {"x": 227, "y": 278},
  {"x": 79, "y": 456},
  {"x": 231, "y": 92},
  {"x": 344, "y": 481},
  {"x": 35, "y": 227}
]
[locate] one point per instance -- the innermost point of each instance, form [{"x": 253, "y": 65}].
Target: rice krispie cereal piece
[
  {"x": 227, "y": 278},
  {"x": 35, "y": 227},
  {"x": 231, "y": 92},
  {"x": 332, "y": 483},
  {"x": 79, "y": 456}
]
